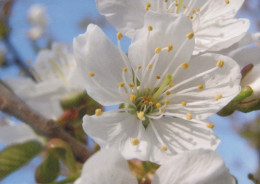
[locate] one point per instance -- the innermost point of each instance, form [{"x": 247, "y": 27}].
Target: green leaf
[
  {"x": 16, "y": 156},
  {"x": 49, "y": 170}
]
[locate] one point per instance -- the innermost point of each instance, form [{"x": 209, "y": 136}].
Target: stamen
[
  {"x": 179, "y": 6},
  {"x": 184, "y": 103},
  {"x": 163, "y": 110},
  {"x": 148, "y": 5},
  {"x": 150, "y": 28},
  {"x": 157, "y": 50},
  {"x": 170, "y": 47},
  {"x": 220, "y": 63},
  {"x": 168, "y": 93},
  {"x": 158, "y": 77},
  {"x": 171, "y": 85},
  {"x": 124, "y": 69},
  {"x": 139, "y": 67},
  {"x": 150, "y": 66},
  {"x": 218, "y": 97},
  {"x": 119, "y": 36},
  {"x": 166, "y": 82},
  {"x": 210, "y": 125},
  {"x": 198, "y": 9},
  {"x": 166, "y": 102},
  {"x": 164, "y": 148},
  {"x": 122, "y": 84},
  {"x": 135, "y": 141},
  {"x": 193, "y": 11},
  {"x": 149, "y": 89},
  {"x": 200, "y": 87},
  {"x": 185, "y": 65},
  {"x": 227, "y": 1},
  {"x": 140, "y": 115},
  {"x": 132, "y": 98},
  {"x": 190, "y": 35},
  {"x": 189, "y": 116},
  {"x": 98, "y": 112},
  {"x": 158, "y": 105},
  {"x": 91, "y": 74},
  {"x": 131, "y": 85}
]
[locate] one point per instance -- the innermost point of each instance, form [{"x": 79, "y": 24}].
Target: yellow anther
[
  {"x": 132, "y": 98},
  {"x": 189, "y": 116},
  {"x": 220, "y": 63},
  {"x": 218, "y": 97},
  {"x": 170, "y": 47},
  {"x": 171, "y": 84},
  {"x": 258, "y": 43},
  {"x": 158, "y": 105},
  {"x": 98, "y": 112},
  {"x": 150, "y": 103},
  {"x": 140, "y": 115},
  {"x": 198, "y": 9},
  {"x": 150, "y": 66},
  {"x": 91, "y": 74},
  {"x": 158, "y": 77},
  {"x": 163, "y": 110},
  {"x": 227, "y": 1},
  {"x": 135, "y": 141},
  {"x": 200, "y": 87},
  {"x": 166, "y": 102},
  {"x": 149, "y": 89},
  {"x": 124, "y": 69},
  {"x": 122, "y": 84},
  {"x": 190, "y": 35},
  {"x": 164, "y": 148},
  {"x": 193, "y": 11},
  {"x": 191, "y": 17},
  {"x": 167, "y": 7},
  {"x": 166, "y": 1},
  {"x": 184, "y": 6},
  {"x": 119, "y": 36},
  {"x": 131, "y": 85},
  {"x": 185, "y": 65},
  {"x": 139, "y": 67},
  {"x": 168, "y": 93},
  {"x": 148, "y": 5},
  {"x": 210, "y": 125},
  {"x": 150, "y": 28},
  {"x": 184, "y": 103},
  {"x": 157, "y": 50}
]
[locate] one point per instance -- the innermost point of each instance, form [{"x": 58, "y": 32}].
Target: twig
[{"x": 11, "y": 104}]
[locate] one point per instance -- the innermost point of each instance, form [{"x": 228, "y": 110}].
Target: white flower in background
[
  {"x": 213, "y": 21},
  {"x": 57, "y": 76},
  {"x": 37, "y": 16},
  {"x": 250, "y": 57},
  {"x": 165, "y": 95},
  {"x": 14, "y": 133},
  {"x": 192, "y": 167},
  {"x": 106, "y": 167}
]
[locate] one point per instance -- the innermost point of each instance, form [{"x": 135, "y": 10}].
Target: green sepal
[
  {"x": 244, "y": 93},
  {"x": 73, "y": 100},
  {"x": 16, "y": 156},
  {"x": 49, "y": 169}
]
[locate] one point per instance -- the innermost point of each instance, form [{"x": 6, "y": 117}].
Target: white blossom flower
[
  {"x": 14, "y": 133},
  {"x": 56, "y": 75},
  {"x": 192, "y": 167},
  {"x": 213, "y": 21},
  {"x": 37, "y": 16},
  {"x": 165, "y": 95},
  {"x": 106, "y": 167}
]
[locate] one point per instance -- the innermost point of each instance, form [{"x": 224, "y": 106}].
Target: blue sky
[{"x": 64, "y": 17}]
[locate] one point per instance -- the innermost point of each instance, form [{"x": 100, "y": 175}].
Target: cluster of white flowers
[{"x": 183, "y": 66}]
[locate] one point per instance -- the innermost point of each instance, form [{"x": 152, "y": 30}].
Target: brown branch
[{"x": 12, "y": 105}]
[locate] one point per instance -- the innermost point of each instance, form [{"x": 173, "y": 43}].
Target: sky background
[{"x": 64, "y": 19}]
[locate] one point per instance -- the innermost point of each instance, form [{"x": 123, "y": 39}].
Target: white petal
[
  {"x": 126, "y": 16},
  {"x": 13, "y": 133},
  {"x": 95, "y": 53},
  {"x": 106, "y": 167},
  {"x": 116, "y": 130},
  {"x": 220, "y": 35},
  {"x": 26, "y": 89},
  {"x": 168, "y": 29},
  {"x": 194, "y": 167},
  {"x": 178, "y": 136},
  {"x": 247, "y": 56},
  {"x": 223, "y": 82}
]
